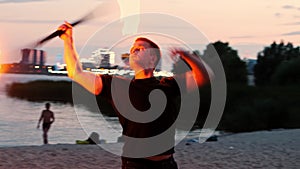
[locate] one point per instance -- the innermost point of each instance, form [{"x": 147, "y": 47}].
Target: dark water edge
[
  {"x": 57, "y": 91},
  {"x": 41, "y": 90}
]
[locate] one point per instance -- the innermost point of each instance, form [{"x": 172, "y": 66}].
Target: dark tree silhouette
[
  {"x": 270, "y": 58},
  {"x": 235, "y": 69},
  {"x": 287, "y": 73}
]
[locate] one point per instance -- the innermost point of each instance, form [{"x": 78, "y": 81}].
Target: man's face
[{"x": 140, "y": 56}]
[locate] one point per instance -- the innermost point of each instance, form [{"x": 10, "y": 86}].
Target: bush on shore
[
  {"x": 250, "y": 108},
  {"x": 41, "y": 90},
  {"x": 58, "y": 91}
]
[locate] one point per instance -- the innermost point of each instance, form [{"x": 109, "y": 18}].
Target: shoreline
[{"x": 261, "y": 149}]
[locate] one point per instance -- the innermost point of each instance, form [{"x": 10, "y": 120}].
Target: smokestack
[
  {"x": 25, "y": 56},
  {"x": 42, "y": 58},
  {"x": 34, "y": 57}
]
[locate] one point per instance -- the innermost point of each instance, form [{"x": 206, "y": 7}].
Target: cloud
[
  {"x": 56, "y": 22},
  {"x": 291, "y": 33},
  {"x": 291, "y": 23},
  {"x": 19, "y": 1},
  {"x": 241, "y": 37},
  {"x": 30, "y": 21},
  {"x": 278, "y": 14},
  {"x": 294, "y": 9},
  {"x": 289, "y": 7}
]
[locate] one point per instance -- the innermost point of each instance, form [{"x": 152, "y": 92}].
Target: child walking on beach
[{"x": 48, "y": 118}]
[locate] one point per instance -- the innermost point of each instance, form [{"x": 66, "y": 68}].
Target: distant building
[
  {"x": 104, "y": 58},
  {"x": 125, "y": 59},
  {"x": 250, "y": 65},
  {"x": 88, "y": 64},
  {"x": 250, "y": 70},
  {"x": 33, "y": 57},
  {"x": 32, "y": 62}
]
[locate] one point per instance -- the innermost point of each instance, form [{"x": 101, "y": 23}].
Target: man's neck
[{"x": 144, "y": 74}]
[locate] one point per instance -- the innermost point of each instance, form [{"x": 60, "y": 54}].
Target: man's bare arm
[
  {"x": 40, "y": 119},
  {"x": 90, "y": 81},
  {"x": 198, "y": 75},
  {"x": 52, "y": 117}
]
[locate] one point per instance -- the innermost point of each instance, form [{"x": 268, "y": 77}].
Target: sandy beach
[{"x": 278, "y": 149}]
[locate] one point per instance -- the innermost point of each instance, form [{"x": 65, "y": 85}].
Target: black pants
[{"x": 141, "y": 163}]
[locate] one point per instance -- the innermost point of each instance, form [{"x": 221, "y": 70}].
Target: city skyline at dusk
[{"x": 248, "y": 26}]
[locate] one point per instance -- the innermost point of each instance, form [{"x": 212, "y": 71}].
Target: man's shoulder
[
  {"x": 111, "y": 77},
  {"x": 167, "y": 80},
  {"x": 47, "y": 111}
]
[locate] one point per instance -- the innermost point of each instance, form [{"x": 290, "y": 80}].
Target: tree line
[
  {"x": 271, "y": 103},
  {"x": 277, "y": 64}
]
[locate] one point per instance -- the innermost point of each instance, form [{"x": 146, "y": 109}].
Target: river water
[{"x": 18, "y": 119}]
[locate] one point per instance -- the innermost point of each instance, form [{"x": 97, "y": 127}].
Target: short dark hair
[
  {"x": 153, "y": 45},
  {"x": 47, "y": 105}
]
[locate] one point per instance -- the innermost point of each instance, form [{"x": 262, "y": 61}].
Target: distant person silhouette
[
  {"x": 94, "y": 138},
  {"x": 48, "y": 118}
]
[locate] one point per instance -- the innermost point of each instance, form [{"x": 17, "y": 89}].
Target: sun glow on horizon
[{"x": 1, "y": 55}]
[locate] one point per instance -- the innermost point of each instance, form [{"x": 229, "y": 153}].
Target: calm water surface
[{"x": 18, "y": 119}]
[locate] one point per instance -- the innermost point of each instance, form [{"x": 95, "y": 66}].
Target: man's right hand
[{"x": 67, "y": 29}]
